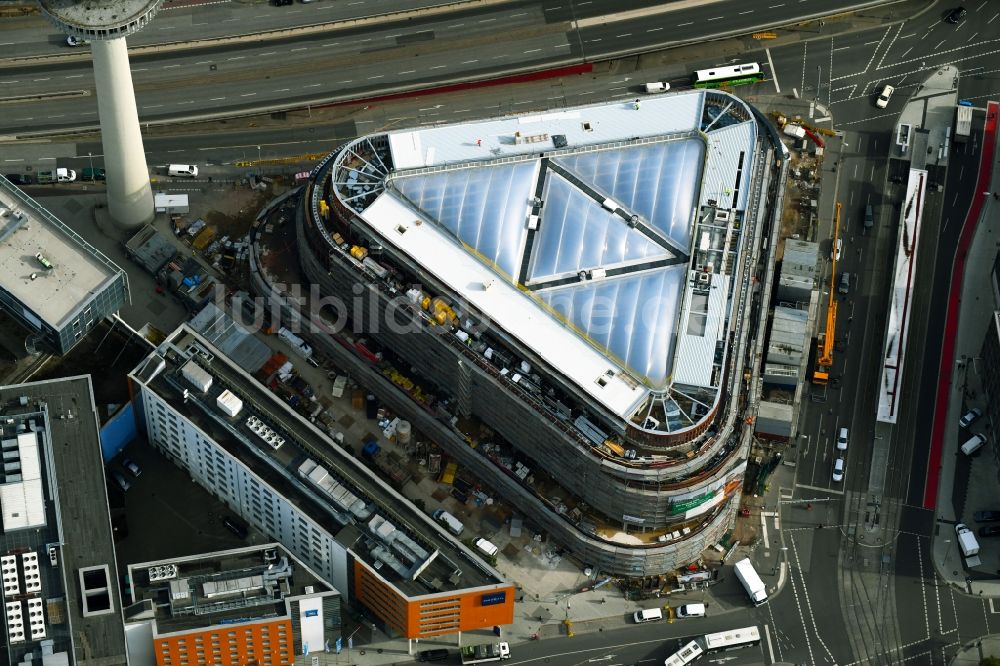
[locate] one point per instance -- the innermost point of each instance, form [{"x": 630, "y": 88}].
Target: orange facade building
[
  {"x": 433, "y": 614},
  {"x": 267, "y": 643}
]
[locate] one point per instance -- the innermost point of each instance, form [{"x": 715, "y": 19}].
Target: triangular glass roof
[
  {"x": 631, "y": 318},
  {"x": 577, "y": 233},
  {"x": 485, "y": 207},
  {"x": 652, "y": 180}
]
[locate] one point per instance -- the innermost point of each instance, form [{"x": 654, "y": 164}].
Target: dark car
[
  {"x": 432, "y": 655},
  {"x": 986, "y": 516},
  {"x": 19, "y": 179},
  {"x": 956, "y": 15},
  {"x": 281, "y": 3},
  {"x": 236, "y": 526},
  {"x": 989, "y": 531}
]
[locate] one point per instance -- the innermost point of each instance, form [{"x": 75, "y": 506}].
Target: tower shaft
[{"x": 130, "y": 198}]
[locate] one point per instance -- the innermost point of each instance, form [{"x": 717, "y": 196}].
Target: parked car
[
  {"x": 986, "y": 516},
  {"x": 19, "y": 179},
  {"x": 956, "y": 15},
  {"x": 281, "y": 3},
  {"x": 93, "y": 174},
  {"x": 838, "y": 469},
  {"x": 989, "y": 531},
  {"x": 970, "y": 417},
  {"x": 121, "y": 480},
  {"x": 132, "y": 467},
  {"x": 72, "y": 40},
  {"x": 883, "y": 98},
  {"x": 845, "y": 283},
  {"x": 842, "y": 440},
  {"x": 691, "y": 610}
]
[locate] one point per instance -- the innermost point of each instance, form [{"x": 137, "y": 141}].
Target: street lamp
[
  {"x": 260, "y": 167},
  {"x": 90, "y": 156}
]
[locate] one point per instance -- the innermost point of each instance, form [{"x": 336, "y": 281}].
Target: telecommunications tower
[{"x": 106, "y": 24}]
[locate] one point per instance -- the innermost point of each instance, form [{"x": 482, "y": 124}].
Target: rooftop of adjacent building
[
  {"x": 226, "y": 587},
  {"x": 43, "y": 263},
  {"x": 380, "y": 527},
  {"x": 74, "y": 517},
  {"x": 576, "y": 232}
]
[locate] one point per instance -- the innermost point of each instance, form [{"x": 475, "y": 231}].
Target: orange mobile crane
[{"x": 824, "y": 346}]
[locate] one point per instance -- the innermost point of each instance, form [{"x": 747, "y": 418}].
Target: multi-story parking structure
[
  {"x": 578, "y": 280},
  {"x": 52, "y": 281},
  {"x": 292, "y": 482}
]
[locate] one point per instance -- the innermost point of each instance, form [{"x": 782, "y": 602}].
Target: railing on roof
[
  {"x": 29, "y": 203},
  {"x": 532, "y": 156}
]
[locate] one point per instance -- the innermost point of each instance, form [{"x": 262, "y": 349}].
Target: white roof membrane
[
  {"x": 576, "y": 232},
  {"x": 518, "y": 313},
  {"x": 658, "y": 181},
  {"x": 631, "y": 318},
  {"x": 485, "y": 208}
]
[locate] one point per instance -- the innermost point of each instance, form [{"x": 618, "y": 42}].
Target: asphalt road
[
  {"x": 353, "y": 63},
  {"x": 648, "y": 643},
  {"x": 893, "y": 606}
]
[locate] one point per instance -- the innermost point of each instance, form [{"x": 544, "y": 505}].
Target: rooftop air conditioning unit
[{"x": 704, "y": 277}]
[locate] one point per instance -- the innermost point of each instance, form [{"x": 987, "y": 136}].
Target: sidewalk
[{"x": 970, "y": 309}]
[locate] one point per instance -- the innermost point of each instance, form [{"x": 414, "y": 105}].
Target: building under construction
[{"x": 580, "y": 282}]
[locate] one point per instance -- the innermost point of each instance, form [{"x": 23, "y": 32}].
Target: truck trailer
[
  {"x": 751, "y": 581},
  {"x": 480, "y": 654},
  {"x": 963, "y": 123},
  {"x": 968, "y": 544},
  {"x": 59, "y": 175}
]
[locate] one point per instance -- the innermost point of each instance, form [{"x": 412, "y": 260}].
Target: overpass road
[{"x": 297, "y": 70}]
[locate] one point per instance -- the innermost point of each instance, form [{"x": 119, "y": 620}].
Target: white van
[
  {"x": 691, "y": 610},
  {"x": 973, "y": 445},
  {"x": 453, "y": 524},
  {"x": 648, "y": 615},
  {"x": 182, "y": 170},
  {"x": 657, "y": 87},
  {"x": 486, "y": 547}
]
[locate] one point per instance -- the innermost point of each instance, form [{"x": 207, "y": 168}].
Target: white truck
[
  {"x": 751, "y": 581},
  {"x": 297, "y": 344},
  {"x": 968, "y": 544},
  {"x": 478, "y": 654},
  {"x": 963, "y": 123}
]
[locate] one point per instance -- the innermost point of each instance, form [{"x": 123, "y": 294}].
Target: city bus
[
  {"x": 685, "y": 655},
  {"x": 730, "y": 75},
  {"x": 732, "y": 639}
]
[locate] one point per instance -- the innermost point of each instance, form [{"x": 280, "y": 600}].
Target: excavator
[{"x": 824, "y": 345}]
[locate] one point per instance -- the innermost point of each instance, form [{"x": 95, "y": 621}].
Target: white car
[
  {"x": 883, "y": 98},
  {"x": 837, "y": 248},
  {"x": 842, "y": 440},
  {"x": 691, "y": 610},
  {"x": 970, "y": 417},
  {"x": 838, "y": 470},
  {"x": 72, "y": 40}
]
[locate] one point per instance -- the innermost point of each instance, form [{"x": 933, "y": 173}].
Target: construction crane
[{"x": 824, "y": 346}]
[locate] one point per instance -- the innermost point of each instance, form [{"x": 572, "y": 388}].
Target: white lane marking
[{"x": 774, "y": 75}]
